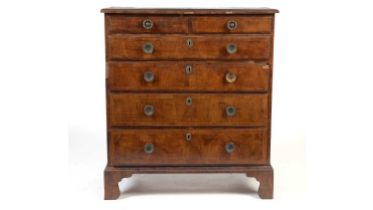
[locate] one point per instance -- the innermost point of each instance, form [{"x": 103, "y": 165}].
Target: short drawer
[
  {"x": 145, "y": 24},
  {"x": 142, "y": 109},
  {"x": 232, "y": 24},
  {"x": 151, "y": 47},
  {"x": 188, "y": 76},
  {"x": 187, "y": 146}
]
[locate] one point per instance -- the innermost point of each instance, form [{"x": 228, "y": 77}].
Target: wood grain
[
  {"x": 263, "y": 173},
  {"x": 206, "y": 147},
  {"x": 127, "y": 47},
  {"x": 218, "y": 24},
  {"x": 172, "y": 110},
  {"x": 134, "y": 24},
  {"x": 171, "y": 76},
  {"x": 127, "y": 93}
]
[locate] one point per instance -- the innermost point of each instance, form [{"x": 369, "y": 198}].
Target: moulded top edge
[{"x": 188, "y": 11}]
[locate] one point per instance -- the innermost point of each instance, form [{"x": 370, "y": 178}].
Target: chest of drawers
[{"x": 188, "y": 91}]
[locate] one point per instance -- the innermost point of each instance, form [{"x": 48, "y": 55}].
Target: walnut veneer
[{"x": 189, "y": 91}]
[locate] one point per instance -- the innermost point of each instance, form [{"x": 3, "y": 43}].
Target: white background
[{"x": 52, "y": 111}]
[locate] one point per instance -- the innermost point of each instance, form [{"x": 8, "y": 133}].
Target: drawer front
[
  {"x": 187, "y": 146},
  {"x": 232, "y": 24},
  {"x": 188, "y": 76},
  {"x": 146, "y": 24},
  {"x": 187, "y": 109},
  {"x": 151, "y": 47}
]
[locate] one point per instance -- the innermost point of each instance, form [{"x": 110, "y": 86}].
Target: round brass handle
[
  {"x": 147, "y": 24},
  {"x": 229, "y": 147},
  {"x": 232, "y": 25},
  {"x": 148, "y": 148},
  {"x": 149, "y": 76},
  {"x": 231, "y": 48},
  {"x": 188, "y": 69},
  {"x": 230, "y": 111},
  {"x": 149, "y": 110},
  {"x": 188, "y": 136},
  {"x": 148, "y": 48},
  {"x": 230, "y": 77}
]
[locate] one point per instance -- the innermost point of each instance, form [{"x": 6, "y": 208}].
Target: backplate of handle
[
  {"x": 148, "y": 148},
  {"x": 149, "y": 76},
  {"x": 231, "y": 48},
  {"x": 232, "y": 25},
  {"x": 148, "y": 48},
  {"x": 149, "y": 110},
  {"x": 147, "y": 24},
  {"x": 230, "y": 77},
  {"x": 230, "y": 111},
  {"x": 229, "y": 147}
]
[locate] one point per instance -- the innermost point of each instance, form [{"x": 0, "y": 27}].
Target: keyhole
[
  {"x": 188, "y": 137},
  {"x": 188, "y": 69},
  {"x": 189, "y": 43},
  {"x": 189, "y": 101}
]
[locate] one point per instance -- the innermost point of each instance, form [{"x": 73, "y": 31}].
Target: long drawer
[
  {"x": 143, "y": 109},
  {"x": 187, "y": 146},
  {"x": 188, "y": 76},
  {"x": 151, "y": 47}
]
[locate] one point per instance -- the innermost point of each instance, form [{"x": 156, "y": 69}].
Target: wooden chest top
[{"x": 189, "y": 11}]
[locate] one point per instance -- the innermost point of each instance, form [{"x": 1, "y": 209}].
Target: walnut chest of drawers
[{"x": 188, "y": 91}]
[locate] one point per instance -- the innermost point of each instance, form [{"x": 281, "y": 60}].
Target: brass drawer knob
[
  {"x": 230, "y": 77},
  {"x": 149, "y": 110},
  {"x": 188, "y": 69},
  {"x": 229, "y": 147},
  {"x": 232, "y": 25},
  {"x": 148, "y": 48},
  {"x": 230, "y": 111},
  {"x": 147, "y": 24},
  {"x": 149, "y": 76},
  {"x": 188, "y": 136},
  {"x": 149, "y": 148},
  {"x": 231, "y": 48}
]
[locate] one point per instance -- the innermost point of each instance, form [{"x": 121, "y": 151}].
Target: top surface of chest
[{"x": 189, "y": 11}]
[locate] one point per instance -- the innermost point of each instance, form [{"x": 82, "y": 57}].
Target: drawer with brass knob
[
  {"x": 150, "y": 47},
  {"x": 188, "y": 91},
  {"x": 188, "y": 76},
  {"x": 232, "y": 24},
  {"x": 142, "y": 109},
  {"x": 207, "y": 146},
  {"x": 116, "y": 24}
]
